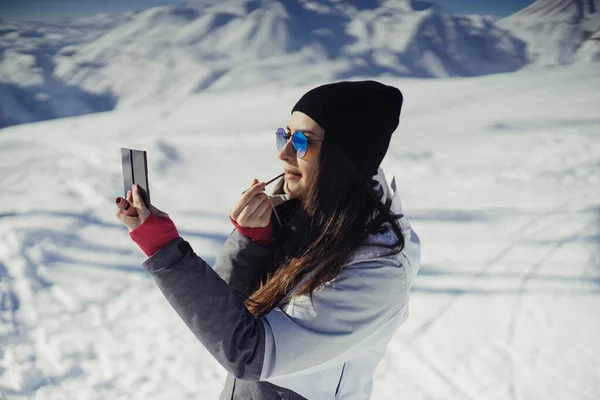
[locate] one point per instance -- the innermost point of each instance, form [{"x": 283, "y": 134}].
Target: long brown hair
[{"x": 333, "y": 220}]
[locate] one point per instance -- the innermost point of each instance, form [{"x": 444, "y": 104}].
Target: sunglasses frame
[{"x": 290, "y": 135}]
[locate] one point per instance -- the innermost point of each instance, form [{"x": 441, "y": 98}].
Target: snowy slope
[
  {"x": 29, "y": 91},
  {"x": 503, "y": 190},
  {"x": 557, "y": 30},
  {"x": 167, "y": 53}
]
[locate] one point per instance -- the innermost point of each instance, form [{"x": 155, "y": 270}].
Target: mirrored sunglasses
[{"x": 300, "y": 141}]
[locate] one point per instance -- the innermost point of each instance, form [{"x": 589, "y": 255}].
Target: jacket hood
[{"x": 389, "y": 192}]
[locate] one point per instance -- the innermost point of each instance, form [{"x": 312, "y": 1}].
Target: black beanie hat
[{"x": 359, "y": 117}]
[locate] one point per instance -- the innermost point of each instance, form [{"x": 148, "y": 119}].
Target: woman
[{"x": 302, "y": 302}]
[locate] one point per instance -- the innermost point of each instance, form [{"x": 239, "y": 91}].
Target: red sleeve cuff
[
  {"x": 154, "y": 234},
  {"x": 262, "y": 236}
]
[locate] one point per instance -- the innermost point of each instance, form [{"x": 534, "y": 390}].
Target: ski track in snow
[
  {"x": 538, "y": 223},
  {"x": 529, "y": 274},
  {"x": 519, "y": 234},
  {"x": 506, "y": 208}
]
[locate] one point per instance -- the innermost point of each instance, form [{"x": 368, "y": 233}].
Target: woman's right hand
[
  {"x": 253, "y": 209},
  {"x": 142, "y": 213}
]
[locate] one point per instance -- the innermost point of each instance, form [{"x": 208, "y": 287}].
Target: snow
[
  {"x": 499, "y": 175},
  {"x": 168, "y": 53},
  {"x": 557, "y": 32},
  {"x": 21, "y": 68},
  {"x": 589, "y": 50},
  {"x": 28, "y": 89}
]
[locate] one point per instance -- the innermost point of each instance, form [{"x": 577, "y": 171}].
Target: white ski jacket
[
  {"x": 296, "y": 351},
  {"x": 344, "y": 337}
]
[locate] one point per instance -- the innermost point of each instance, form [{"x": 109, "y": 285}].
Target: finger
[
  {"x": 255, "y": 189},
  {"x": 124, "y": 218},
  {"x": 254, "y": 181},
  {"x": 260, "y": 218},
  {"x": 253, "y": 220},
  {"x": 126, "y": 205},
  {"x": 138, "y": 202},
  {"x": 243, "y": 201},
  {"x": 260, "y": 210},
  {"x": 263, "y": 219},
  {"x": 251, "y": 207},
  {"x": 255, "y": 203}
]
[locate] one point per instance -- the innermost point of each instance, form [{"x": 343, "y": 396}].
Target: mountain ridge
[
  {"x": 167, "y": 53},
  {"x": 558, "y": 32}
]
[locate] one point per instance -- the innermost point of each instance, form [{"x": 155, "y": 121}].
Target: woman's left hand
[
  {"x": 253, "y": 209},
  {"x": 135, "y": 199}
]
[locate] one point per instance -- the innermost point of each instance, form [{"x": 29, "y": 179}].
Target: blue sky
[{"x": 55, "y": 10}]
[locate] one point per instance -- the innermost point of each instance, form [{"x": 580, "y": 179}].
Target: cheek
[
  {"x": 308, "y": 166},
  {"x": 308, "y": 171},
  {"x": 310, "y": 161}
]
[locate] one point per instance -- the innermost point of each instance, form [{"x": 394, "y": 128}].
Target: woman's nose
[{"x": 287, "y": 153}]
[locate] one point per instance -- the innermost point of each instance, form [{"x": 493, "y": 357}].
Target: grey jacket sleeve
[
  {"x": 282, "y": 345},
  {"x": 243, "y": 263},
  {"x": 212, "y": 310}
]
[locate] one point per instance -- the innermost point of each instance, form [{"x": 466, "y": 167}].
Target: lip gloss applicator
[{"x": 271, "y": 181}]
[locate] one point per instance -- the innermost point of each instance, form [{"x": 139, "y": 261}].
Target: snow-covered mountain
[
  {"x": 589, "y": 51},
  {"x": 180, "y": 50},
  {"x": 166, "y": 53},
  {"x": 29, "y": 90},
  {"x": 421, "y": 39},
  {"x": 558, "y": 31}
]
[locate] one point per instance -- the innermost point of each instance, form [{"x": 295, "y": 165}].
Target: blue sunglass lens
[
  {"x": 300, "y": 143},
  {"x": 281, "y": 138}
]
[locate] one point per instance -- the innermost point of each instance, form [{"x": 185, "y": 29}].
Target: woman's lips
[{"x": 292, "y": 176}]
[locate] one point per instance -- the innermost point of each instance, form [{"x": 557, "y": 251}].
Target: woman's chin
[{"x": 293, "y": 189}]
